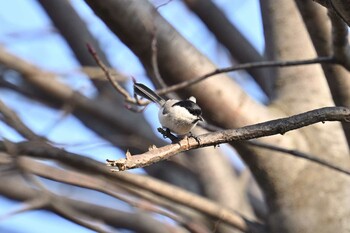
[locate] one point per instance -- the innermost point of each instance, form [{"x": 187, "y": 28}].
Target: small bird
[{"x": 177, "y": 116}]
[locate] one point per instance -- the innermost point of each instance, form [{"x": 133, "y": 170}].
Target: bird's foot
[
  {"x": 167, "y": 134},
  {"x": 198, "y": 140}
]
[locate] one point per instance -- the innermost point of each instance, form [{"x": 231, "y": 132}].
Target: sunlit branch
[{"x": 278, "y": 126}]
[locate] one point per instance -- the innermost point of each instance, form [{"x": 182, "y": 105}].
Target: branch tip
[
  {"x": 133, "y": 79},
  {"x": 119, "y": 164},
  {"x": 90, "y": 48}
]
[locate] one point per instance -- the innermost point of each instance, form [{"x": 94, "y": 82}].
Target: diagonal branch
[
  {"x": 170, "y": 192},
  {"x": 279, "y": 126},
  {"x": 105, "y": 186},
  {"x": 226, "y": 32},
  {"x": 15, "y": 188},
  {"x": 37, "y": 202},
  {"x": 75, "y": 32},
  {"x": 11, "y": 119},
  {"x": 298, "y": 154},
  {"x": 261, "y": 64},
  {"x": 108, "y": 75}
]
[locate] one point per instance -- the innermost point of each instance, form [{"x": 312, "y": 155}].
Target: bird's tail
[{"x": 147, "y": 93}]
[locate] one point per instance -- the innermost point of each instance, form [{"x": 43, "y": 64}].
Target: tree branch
[
  {"x": 279, "y": 126},
  {"x": 183, "y": 197},
  {"x": 298, "y": 154},
  {"x": 341, "y": 45},
  {"x": 319, "y": 28},
  {"x": 11, "y": 119},
  {"x": 105, "y": 186},
  {"x": 341, "y": 8},
  {"x": 74, "y": 30},
  {"x": 108, "y": 75},
  {"x": 261, "y": 64},
  {"x": 14, "y": 187},
  {"x": 226, "y": 32}
]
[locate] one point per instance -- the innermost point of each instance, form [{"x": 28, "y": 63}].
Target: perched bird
[{"x": 177, "y": 116}]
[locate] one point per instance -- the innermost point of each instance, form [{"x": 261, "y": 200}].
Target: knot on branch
[{"x": 152, "y": 147}]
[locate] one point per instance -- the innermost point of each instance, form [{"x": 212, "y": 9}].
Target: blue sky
[{"x": 26, "y": 31}]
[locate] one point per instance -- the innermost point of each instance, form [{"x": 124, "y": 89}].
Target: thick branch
[
  {"x": 279, "y": 126},
  {"x": 75, "y": 32},
  {"x": 319, "y": 28}
]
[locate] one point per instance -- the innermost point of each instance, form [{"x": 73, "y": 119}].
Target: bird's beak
[{"x": 200, "y": 118}]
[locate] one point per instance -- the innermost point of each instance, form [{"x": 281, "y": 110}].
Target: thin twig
[
  {"x": 154, "y": 48},
  {"x": 155, "y": 66},
  {"x": 107, "y": 72},
  {"x": 128, "y": 98},
  {"x": 163, "y": 4},
  {"x": 298, "y": 154},
  {"x": 261, "y": 64}
]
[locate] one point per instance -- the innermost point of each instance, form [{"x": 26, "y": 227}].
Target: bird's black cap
[{"x": 191, "y": 106}]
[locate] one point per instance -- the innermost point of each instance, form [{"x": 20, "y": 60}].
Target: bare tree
[{"x": 296, "y": 147}]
